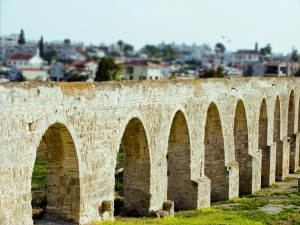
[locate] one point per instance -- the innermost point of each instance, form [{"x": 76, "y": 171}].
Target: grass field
[{"x": 245, "y": 210}]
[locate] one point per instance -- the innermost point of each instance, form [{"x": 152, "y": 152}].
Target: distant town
[{"x": 65, "y": 61}]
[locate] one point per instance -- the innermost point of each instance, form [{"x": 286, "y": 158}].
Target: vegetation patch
[
  {"x": 39, "y": 174},
  {"x": 289, "y": 178},
  {"x": 245, "y": 210}
]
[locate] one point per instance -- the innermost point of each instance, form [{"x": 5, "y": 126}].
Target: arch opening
[
  {"x": 291, "y": 133},
  {"x": 56, "y": 170},
  {"x": 279, "y": 143},
  {"x": 181, "y": 188},
  {"x": 299, "y": 134},
  {"x": 215, "y": 168},
  {"x": 136, "y": 169},
  {"x": 241, "y": 149},
  {"x": 262, "y": 145}
]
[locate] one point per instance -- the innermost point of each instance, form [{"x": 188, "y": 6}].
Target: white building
[
  {"x": 271, "y": 69},
  {"x": 141, "y": 70},
  {"x": 9, "y": 39},
  {"x": 72, "y": 55},
  {"x": 30, "y": 66},
  {"x": 26, "y": 61},
  {"x": 239, "y": 57}
]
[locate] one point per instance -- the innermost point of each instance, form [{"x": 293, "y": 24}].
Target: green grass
[
  {"x": 192, "y": 217},
  {"x": 120, "y": 158},
  {"x": 39, "y": 175},
  {"x": 244, "y": 210},
  {"x": 297, "y": 172}
]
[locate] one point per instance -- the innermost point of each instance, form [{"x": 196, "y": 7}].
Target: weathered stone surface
[{"x": 185, "y": 141}]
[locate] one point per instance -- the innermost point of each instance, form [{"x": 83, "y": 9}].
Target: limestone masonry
[{"x": 186, "y": 143}]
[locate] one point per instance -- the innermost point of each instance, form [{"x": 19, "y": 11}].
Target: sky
[{"x": 238, "y": 24}]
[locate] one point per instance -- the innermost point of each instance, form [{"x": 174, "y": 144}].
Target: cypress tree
[
  {"x": 41, "y": 47},
  {"x": 21, "y": 39}
]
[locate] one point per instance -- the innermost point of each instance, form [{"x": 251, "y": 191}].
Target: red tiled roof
[
  {"x": 30, "y": 69},
  {"x": 141, "y": 63},
  {"x": 81, "y": 63},
  {"x": 81, "y": 52},
  {"x": 20, "y": 57}
]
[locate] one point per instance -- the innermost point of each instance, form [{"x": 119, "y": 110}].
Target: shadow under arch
[
  {"x": 63, "y": 184},
  {"x": 136, "y": 169},
  {"x": 215, "y": 168},
  {"x": 299, "y": 132},
  {"x": 291, "y": 133},
  {"x": 241, "y": 149},
  {"x": 262, "y": 144},
  {"x": 276, "y": 139},
  {"x": 181, "y": 189}
]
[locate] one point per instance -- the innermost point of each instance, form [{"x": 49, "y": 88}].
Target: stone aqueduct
[{"x": 191, "y": 142}]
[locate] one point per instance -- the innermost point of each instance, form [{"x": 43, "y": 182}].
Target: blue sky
[{"x": 141, "y": 22}]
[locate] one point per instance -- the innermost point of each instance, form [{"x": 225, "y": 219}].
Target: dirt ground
[{"x": 289, "y": 185}]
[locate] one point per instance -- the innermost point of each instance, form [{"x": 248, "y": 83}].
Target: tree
[
  {"x": 120, "y": 43},
  {"x": 220, "y": 72},
  {"x": 128, "y": 48},
  {"x": 108, "y": 70},
  {"x": 266, "y": 50},
  {"x": 173, "y": 76},
  {"x": 294, "y": 56},
  {"x": 152, "y": 51},
  {"x": 212, "y": 73},
  {"x": 21, "y": 39},
  {"x": 219, "y": 48},
  {"x": 77, "y": 78},
  {"x": 41, "y": 47},
  {"x": 49, "y": 56},
  {"x": 67, "y": 41},
  {"x": 168, "y": 53}
]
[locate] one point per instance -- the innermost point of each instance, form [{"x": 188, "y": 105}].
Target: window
[
  {"x": 130, "y": 77},
  {"x": 271, "y": 70},
  {"x": 150, "y": 78},
  {"x": 144, "y": 69},
  {"x": 156, "y": 78},
  {"x": 283, "y": 70},
  {"x": 130, "y": 70}
]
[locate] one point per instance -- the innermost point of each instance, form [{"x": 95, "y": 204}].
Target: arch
[
  {"x": 63, "y": 183},
  {"x": 241, "y": 149},
  {"x": 136, "y": 169},
  {"x": 181, "y": 188},
  {"x": 262, "y": 144},
  {"x": 299, "y": 133},
  {"x": 291, "y": 133},
  {"x": 215, "y": 168},
  {"x": 276, "y": 139}
]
